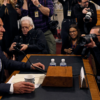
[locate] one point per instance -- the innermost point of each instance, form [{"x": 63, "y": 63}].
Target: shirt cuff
[{"x": 11, "y": 89}]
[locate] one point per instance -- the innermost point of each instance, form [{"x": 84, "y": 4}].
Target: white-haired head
[{"x": 29, "y": 19}]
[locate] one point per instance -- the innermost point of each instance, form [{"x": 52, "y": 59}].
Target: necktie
[{"x": 0, "y": 65}]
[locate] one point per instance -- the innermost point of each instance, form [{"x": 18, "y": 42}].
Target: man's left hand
[
  {"x": 91, "y": 44},
  {"x": 24, "y": 47},
  {"x": 35, "y": 2},
  {"x": 40, "y": 65}
]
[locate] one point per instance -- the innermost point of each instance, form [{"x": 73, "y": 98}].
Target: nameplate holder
[
  {"x": 83, "y": 83},
  {"x": 58, "y": 76}
]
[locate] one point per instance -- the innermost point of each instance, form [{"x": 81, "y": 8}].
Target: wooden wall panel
[{"x": 98, "y": 17}]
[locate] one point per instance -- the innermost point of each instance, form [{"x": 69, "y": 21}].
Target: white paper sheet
[
  {"x": 11, "y": 79},
  {"x": 20, "y": 77}
]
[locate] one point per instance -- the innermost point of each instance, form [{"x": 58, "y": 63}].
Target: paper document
[
  {"x": 10, "y": 81},
  {"x": 20, "y": 77}
]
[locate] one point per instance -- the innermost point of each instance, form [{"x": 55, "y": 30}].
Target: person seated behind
[
  {"x": 20, "y": 87},
  {"x": 74, "y": 36},
  {"x": 95, "y": 52},
  {"x": 31, "y": 41},
  {"x": 95, "y": 47}
]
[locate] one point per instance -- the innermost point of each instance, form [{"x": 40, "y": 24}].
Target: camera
[
  {"x": 18, "y": 46},
  {"x": 53, "y": 26},
  {"x": 88, "y": 15},
  {"x": 86, "y": 39}
]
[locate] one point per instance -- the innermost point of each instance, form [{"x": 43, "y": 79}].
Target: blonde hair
[{"x": 11, "y": 2}]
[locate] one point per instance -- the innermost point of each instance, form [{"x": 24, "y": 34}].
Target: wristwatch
[{"x": 39, "y": 5}]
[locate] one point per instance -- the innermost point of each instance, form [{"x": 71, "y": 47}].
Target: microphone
[{"x": 39, "y": 69}]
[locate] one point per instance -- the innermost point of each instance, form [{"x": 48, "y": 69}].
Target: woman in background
[
  {"x": 69, "y": 18},
  {"x": 9, "y": 16},
  {"x": 73, "y": 47}
]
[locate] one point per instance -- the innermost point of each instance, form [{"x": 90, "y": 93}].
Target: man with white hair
[
  {"x": 31, "y": 41},
  {"x": 41, "y": 11}
]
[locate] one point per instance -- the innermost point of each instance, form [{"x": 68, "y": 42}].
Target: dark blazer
[{"x": 9, "y": 64}]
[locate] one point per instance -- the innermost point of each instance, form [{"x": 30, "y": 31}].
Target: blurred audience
[
  {"x": 73, "y": 47},
  {"x": 31, "y": 41}
]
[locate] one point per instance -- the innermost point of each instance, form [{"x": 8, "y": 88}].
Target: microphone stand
[{"x": 39, "y": 69}]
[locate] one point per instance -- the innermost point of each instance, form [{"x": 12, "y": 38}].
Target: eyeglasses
[
  {"x": 72, "y": 31},
  {"x": 86, "y": 2}
]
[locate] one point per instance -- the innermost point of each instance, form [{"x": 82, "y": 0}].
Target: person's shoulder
[
  {"x": 77, "y": 6},
  {"x": 38, "y": 30},
  {"x": 91, "y": 4}
]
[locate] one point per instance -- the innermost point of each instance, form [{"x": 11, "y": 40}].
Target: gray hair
[{"x": 28, "y": 19}]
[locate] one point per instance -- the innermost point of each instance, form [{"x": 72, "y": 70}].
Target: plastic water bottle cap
[
  {"x": 62, "y": 60},
  {"x": 52, "y": 60}
]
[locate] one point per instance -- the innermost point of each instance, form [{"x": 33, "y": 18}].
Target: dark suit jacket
[{"x": 9, "y": 64}]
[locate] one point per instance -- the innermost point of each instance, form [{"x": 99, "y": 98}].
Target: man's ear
[{"x": 31, "y": 27}]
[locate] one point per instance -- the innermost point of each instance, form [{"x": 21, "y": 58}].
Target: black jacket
[
  {"x": 77, "y": 50},
  {"x": 10, "y": 25},
  {"x": 36, "y": 42},
  {"x": 79, "y": 15},
  {"x": 9, "y": 64}
]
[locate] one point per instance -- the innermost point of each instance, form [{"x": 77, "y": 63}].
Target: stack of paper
[{"x": 20, "y": 77}]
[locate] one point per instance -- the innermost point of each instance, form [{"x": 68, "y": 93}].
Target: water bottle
[
  {"x": 63, "y": 63},
  {"x": 52, "y": 62}
]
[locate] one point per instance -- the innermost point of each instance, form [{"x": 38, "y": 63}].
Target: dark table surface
[{"x": 55, "y": 93}]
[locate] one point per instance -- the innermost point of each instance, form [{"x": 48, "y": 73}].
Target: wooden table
[{"x": 95, "y": 94}]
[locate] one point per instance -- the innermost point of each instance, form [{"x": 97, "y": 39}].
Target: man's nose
[
  {"x": 3, "y": 29},
  {"x": 87, "y": 3}
]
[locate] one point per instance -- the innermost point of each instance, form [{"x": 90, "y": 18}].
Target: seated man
[
  {"x": 20, "y": 87},
  {"x": 95, "y": 49},
  {"x": 31, "y": 41}
]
